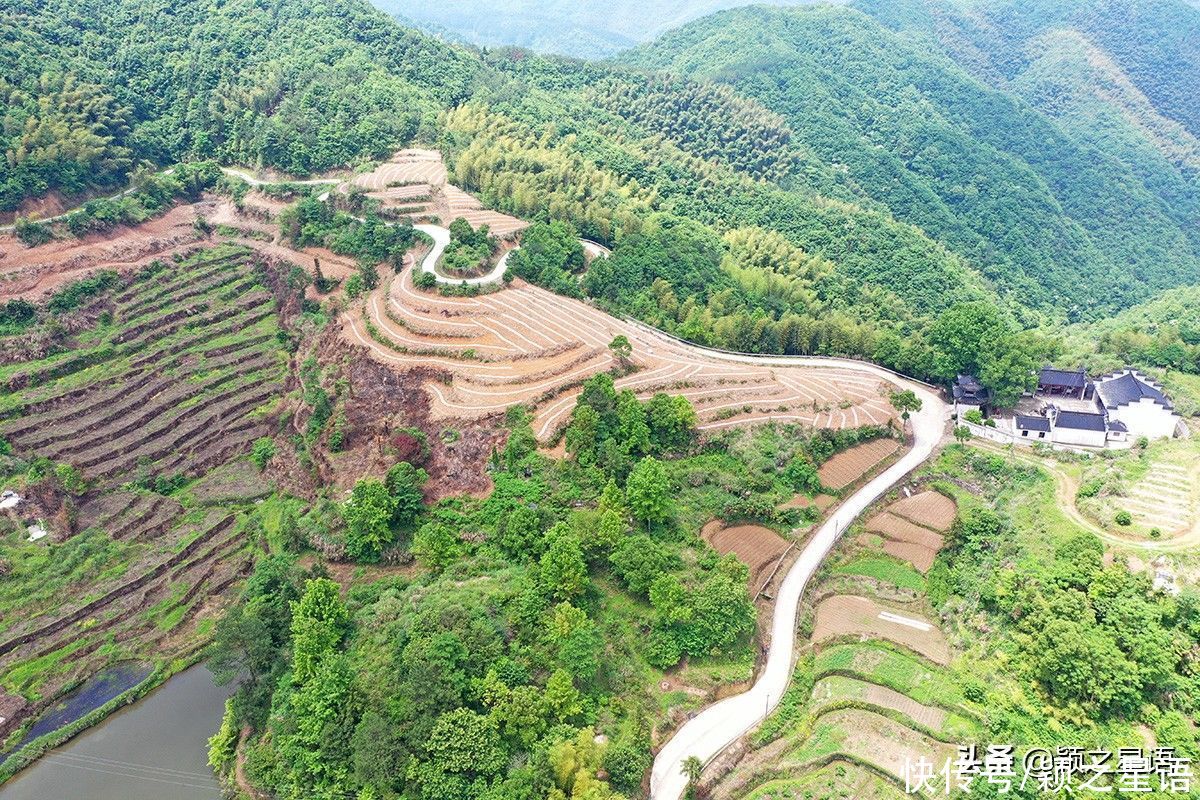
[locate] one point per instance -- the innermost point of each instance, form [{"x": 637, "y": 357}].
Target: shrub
[
  {"x": 5, "y": 447},
  {"x": 1123, "y": 518},
  {"x": 424, "y": 280},
  {"x": 1156, "y": 533},
  {"x": 262, "y": 452},
  {"x": 32, "y": 233},
  {"x": 974, "y": 416},
  {"x": 71, "y": 479}
]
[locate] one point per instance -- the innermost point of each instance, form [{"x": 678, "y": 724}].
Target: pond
[
  {"x": 95, "y": 692},
  {"x": 155, "y": 748}
]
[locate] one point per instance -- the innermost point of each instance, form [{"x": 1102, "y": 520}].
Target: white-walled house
[
  {"x": 1138, "y": 404},
  {"x": 1078, "y": 428}
]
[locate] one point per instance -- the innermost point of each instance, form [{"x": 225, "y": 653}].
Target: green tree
[
  {"x": 802, "y": 476},
  {"x": 562, "y": 568},
  {"x": 648, "y": 491},
  {"x": 621, "y": 348},
  {"x": 319, "y": 622},
  {"x": 961, "y": 334},
  {"x": 369, "y": 513},
  {"x": 436, "y": 545},
  {"x": 405, "y": 484},
  {"x": 465, "y": 742},
  {"x": 673, "y": 423}
]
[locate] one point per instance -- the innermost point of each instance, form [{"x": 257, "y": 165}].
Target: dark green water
[{"x": 155, "y": 749}]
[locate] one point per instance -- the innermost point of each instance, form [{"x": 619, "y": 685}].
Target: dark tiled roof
[
  {"x": 1118, "y": 426},
  {"x": 1074, "y": 379},
  {"x": 1034, "y": 423},
  {"x": 1080, "y": 421},
  {"x": 1129, "y": 388},
  {"x": 968, "y": 388}
]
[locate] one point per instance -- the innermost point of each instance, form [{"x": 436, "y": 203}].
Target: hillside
[
  {"x": 1020, "y": 193},
  {"x": 397, "y": 386}
]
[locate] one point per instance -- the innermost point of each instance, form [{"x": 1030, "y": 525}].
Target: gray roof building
[
  {"x": 1080, "y": 421},
  {"x": 1129, "y": 388}
]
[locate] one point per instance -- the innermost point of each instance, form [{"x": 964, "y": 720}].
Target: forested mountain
[
  {"x": 567, "y": 27},
  {"x": 1061, "y": 180},
  {"x": 908, "y": 157},
  {"x": 92, "y": 88}
]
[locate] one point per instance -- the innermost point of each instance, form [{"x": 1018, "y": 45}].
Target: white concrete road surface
[
  {"x": 441, "y": 238},
  {"x": 721, "y": 724}
]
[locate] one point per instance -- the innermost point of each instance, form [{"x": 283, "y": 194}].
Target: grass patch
[{"x": 885, "y": 569}]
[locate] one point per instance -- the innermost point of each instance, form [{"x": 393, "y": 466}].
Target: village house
[
  {"x": 970, "y": 395},
  {"x": 1070, "y": 409},
  {"x": 1137, "y": 404}
]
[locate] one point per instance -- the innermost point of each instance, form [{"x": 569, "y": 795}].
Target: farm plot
[
  {"x": 913, "y": 527},
  {"x": 166, "y": 391},
  {"x": 850, "y": 465},
  {"x": 526, "y": 346},
  {"x": 413, "y": 182},
  {"x": 33, "y": 271},
  {"x": 1165, "y": 498},
  {"x": 834, "y": 781},
  {"x": 755, "y": 546},
  {"x": 872, "y": 738},
  {"x": 929, "y": 508},
  {"x": 843, "y": 616}
]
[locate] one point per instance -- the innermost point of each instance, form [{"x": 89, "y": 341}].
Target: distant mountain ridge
[
  {"x": 563, "y": 27},
  {"x": 1010, "y": 137}
]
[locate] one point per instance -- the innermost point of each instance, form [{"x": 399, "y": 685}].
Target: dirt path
[{"x": 1066, "y": 488}]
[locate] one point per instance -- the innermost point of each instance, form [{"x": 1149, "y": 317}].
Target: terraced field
[
  {"x": 171, "y": 383},
  {"x": 413, "y": 183},
  {"x": 880, "y": 690},
  {"x": 525, "y": 345}
]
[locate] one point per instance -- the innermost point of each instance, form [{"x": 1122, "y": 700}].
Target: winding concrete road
[
  {"x": 718, "y": 726},
  {"x": 441, "y": 240}
]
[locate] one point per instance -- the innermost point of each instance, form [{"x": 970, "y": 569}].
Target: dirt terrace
[
  {"x": 414, "y": 183},
  {"x": 526, "y": 345}
]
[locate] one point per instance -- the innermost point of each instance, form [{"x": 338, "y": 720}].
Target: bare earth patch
[
  {"x": 847, "y": 615},
  {"x": 757, "y": 547},
  {"x": 929, "y": 508},
  {"x": 820, "y": 502},
  {"x": 902, "y": 530},
  {"x": 849, "y": 465},
  {"x": 523, "y": 345}
]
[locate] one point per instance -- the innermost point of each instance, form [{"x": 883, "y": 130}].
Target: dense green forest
[
  {"x": 890, "y": 179},
  {"x": 540, "y": 616},
  {"x": 1027, "y": 200}
]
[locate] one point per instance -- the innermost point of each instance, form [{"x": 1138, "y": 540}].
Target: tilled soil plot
[
  {"x": 851, "y": 616},
  {"x": 929, "y": 508},
  {"x": 755, "y": 546},
  {"x": 849, "y": 465}
]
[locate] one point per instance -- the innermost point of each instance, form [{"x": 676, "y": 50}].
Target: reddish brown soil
[
  {"x": 929, "y": 508},
  {"x": 34, "y": 271},
  {"x": 850, "y": 616},
  {"x": 902, "y": 530},
  {"x": 850, "y": 465},
  {"x": 820, "y": 502},
  {"x": 757, "y": 547},
  {"x": 524, "y": 345}
]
